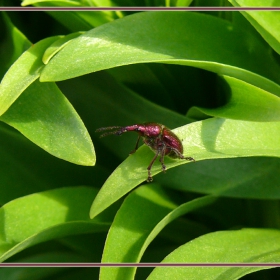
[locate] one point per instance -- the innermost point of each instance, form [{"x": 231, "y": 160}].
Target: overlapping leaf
[
  {"x": 210, "y": 139},
  {"x": 44, "y": 216},
  {"x": 243, "y": 102},
  {"x": 172, "y": 40},
  {"x": 45, "y": 116},
  {"x": 265, "y": 22},
  {"x": 10, "y": 51},
  {"x": 40, "y": 111},
  {"x": 133, "y": 230},
  {"x": 237, "y": 177},
  {"x": 22, "y": 73},
  {"x": 77, "y": 20},
  {"x": 240, "y": 246}
]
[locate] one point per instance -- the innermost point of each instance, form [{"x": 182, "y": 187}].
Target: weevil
[{"x": 161, "y": 140}]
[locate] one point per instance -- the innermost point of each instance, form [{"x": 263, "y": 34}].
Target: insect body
[{"x": 158, "y": 137}]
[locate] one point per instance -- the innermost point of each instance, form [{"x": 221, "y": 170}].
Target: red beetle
[{"x": 157, "y": 136}]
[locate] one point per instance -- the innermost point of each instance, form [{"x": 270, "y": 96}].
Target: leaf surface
[
  {"x": 209, "y": 139},
  {"x": 239, "y": 246},
  {"x": 172, "y": 40},
  {"x": 44, "y": 216}
]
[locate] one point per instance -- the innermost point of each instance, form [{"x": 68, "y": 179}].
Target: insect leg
[
  {"x": 180, "y": 155},
  {"x": 150, "y": 178}
]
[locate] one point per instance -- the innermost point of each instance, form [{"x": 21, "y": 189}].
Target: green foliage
[
  {"x": 242, "y": 242},
  {"x": 213, "y": 78}
]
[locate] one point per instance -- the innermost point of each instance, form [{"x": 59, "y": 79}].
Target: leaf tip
[{"x": 94, "y": 211}]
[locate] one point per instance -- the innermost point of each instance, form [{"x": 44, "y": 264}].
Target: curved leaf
[
  {"x": 45, "y": 116},
  {"x": 77, "y": 20},
  {"x": 245, "y": 102},
  {"x": 240, "y": 246},
  {"x": 238, "y": 177},
  {"x": 265, "y": 22},
  {"x": 22, "y": 73},
  {"x": 173, "y": 39},
  {"x": 9, "y": 51},
  {"x": 52, "y": 2},
  {"x": 43, "y": 216},
  {"x": 42, "y": 113},
  {"x": 208, "y": 139},
  {"x": 58, "y": 45},
  {"x": 134, "y": 229}
]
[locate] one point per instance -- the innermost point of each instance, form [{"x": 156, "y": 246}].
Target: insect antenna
[{"x": 107, "y": 128}]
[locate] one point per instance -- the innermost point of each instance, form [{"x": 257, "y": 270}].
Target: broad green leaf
[
  {"x": 134, "y": 229},
  {"x": 267, "y": 23},
  {"x": 22, "y": 73},
  {"x": 48, "y": 215},
  {"x": 45, "y": 116},
  {"x": 244, "y": 102},
  {"x": 238, "y": 177},
  {"x": 239, "y": 246},
  {"x": 9, "y": 50},
  {"x": 132, "y": 40},
  {"x": 209, "y": 139},
  {"x": 58, "y": 45}
]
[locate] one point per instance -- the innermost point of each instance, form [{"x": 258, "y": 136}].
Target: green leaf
[
  {"x": 58, "y": 45},
  {"x": 240, "y": 246},
  {"x": 44, "y": 216},
  {"x": 45, "y": 116},
  {"x": 209, "y": 139},
  {"x": 131, "y": 40},
  {"x": 22, "y": 73},
  {"x": 134, "y": 229},
  {"x": 77, "y": 20},
  {"x": 63, "y": 3},
  {"x": 9, "y": 50},
  {"x": 183, "y": 3},
  {"x": 238, "y": 177},
  {"x": 42, "y": 113},
  {"x": 245, "y": 102},
  {"x": 267, "y": 23}
]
